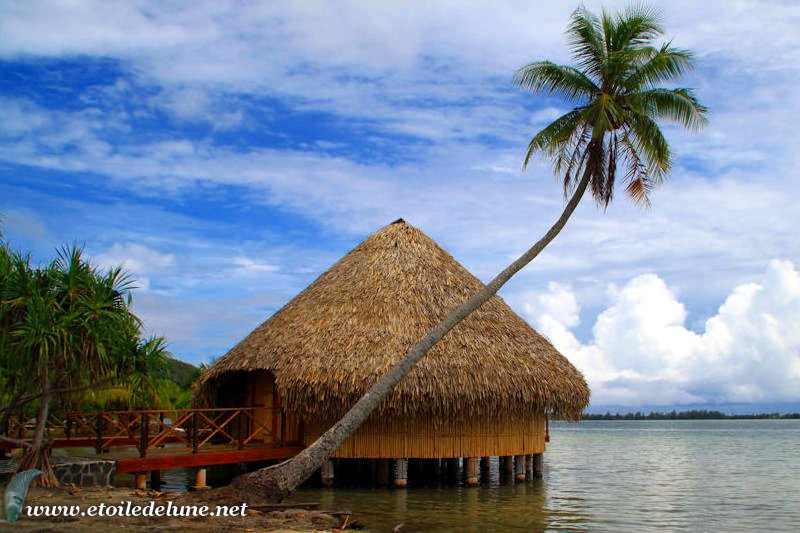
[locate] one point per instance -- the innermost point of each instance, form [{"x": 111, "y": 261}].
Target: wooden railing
[{"x": 150, "y": 429}]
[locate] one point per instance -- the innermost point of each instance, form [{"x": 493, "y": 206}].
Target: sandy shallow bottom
[{"x": 254, "y": 521}]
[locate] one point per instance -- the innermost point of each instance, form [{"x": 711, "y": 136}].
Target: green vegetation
[
  {"x": 68, "y": 337},
  {"x": 694, "y": 414}
]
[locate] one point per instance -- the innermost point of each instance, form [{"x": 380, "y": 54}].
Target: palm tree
[
  {"x": 614, "y": 82},
  {"x": 66, "y": 328}
]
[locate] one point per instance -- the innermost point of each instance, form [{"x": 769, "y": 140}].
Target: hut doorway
[{"x": 263, "y": 396}]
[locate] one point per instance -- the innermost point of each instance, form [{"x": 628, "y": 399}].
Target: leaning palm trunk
[{"x": 277, "y": 482}]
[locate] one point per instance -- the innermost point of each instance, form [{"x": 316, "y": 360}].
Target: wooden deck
[{"x": 143, "y": 441}]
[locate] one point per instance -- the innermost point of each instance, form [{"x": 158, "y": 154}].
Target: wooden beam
[{"x": 164, "y": 462}]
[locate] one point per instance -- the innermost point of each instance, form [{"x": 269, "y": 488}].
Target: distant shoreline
[{"x": 695, "y": 414}]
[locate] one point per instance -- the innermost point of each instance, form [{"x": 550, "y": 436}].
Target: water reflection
[{"x": 446, "y": 508}]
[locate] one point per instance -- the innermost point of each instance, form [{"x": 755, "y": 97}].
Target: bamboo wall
[
  {"x": 521, "y": 434},
  {"x": 478, "y": 437}
]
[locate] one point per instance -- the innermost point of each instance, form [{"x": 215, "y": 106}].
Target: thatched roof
[{"x": 337, "y": 337}]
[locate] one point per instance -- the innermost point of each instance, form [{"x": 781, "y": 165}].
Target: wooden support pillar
[
  {"x": 155, "y": 479},
  {"x": 538, "y": 465},
  {"x": 529, "y": 466},
  {"x": 141, "y": 481},
  {"x": 400, "y": 473},
  {"x": 486, "y": 469},
  {"x": 382, "y": 472},
  {"x": 471, "y": 471},
  {"x": 452, "y": 468},
  {"x": 200, "y": 480},
  {"x": 507, "y": 464},
  {"x": 519, "y": 467},
  {"x": 327, "y": 473}
]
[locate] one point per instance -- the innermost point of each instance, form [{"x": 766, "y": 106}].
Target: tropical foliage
[{"x": 67, "y": 330}]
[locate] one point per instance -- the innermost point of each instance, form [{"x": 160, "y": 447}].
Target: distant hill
[{"x": 182, "y": 373}]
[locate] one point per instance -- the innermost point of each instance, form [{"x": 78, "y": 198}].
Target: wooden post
[
  {"x": 400, "y": 473},
  {"x": 200, "y": 480},
  {"x": 471, "y": 471},
  {"x": 327, "y": 473},
  {"x": 519, "y": 467},
  {"x": 382, "y": 472},
  {"x": 529, "y": 466},
  {"x": 452, "y": 468},
  {"x": 143, "y": 438},
  {"x": 155, "y": 479},
  {"x": 538, "y": 465},
  {"x": 195, "y": 433},
  {"x": 486, "y": 469},
  {"x": 507, "y": 464},
  {"x": 98, "y": 433},
  {"x": 141, "y": 481}
]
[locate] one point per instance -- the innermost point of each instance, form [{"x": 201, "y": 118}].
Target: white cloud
[
  {"x": 141, "y": 262},
  {"x": 642, "y": 353}
]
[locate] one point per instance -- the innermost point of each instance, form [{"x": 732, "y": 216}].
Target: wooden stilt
[
  {"x": 519, "y": 467},
  {"x": 486, "y": 469},
  {"x": 507, "y": 464},
  {"x": 155, "y": 479},
  {"x": 471, "y": 471},
  {"x": 538, "y": 465},
  {"x": 141, "y": 481},
  {"x": 382, "y": 472},
  {"x": 327, "y": 473},
  {"x": 200, "y": 480},
  {"x": 400, "y": 473},
  {"x": 529, "y": 466},
  {"x": 452, "y": 468}
]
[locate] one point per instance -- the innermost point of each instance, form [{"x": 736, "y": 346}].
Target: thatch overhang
[{"x": 335, "y": 339}]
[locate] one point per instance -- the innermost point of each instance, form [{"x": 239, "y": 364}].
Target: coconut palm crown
[{"x": 618, "y": 67}]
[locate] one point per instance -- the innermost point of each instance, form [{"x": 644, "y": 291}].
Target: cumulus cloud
[{"x": 642, "y": 353}]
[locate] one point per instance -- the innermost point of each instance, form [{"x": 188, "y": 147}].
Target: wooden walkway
[{"x": 149, "y": 440}]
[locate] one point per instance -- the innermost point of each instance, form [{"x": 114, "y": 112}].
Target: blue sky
[{"x": 229, "y": 152}]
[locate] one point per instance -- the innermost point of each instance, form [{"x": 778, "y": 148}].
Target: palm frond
[
  {"x": 585, "y": 38},
  {"x": 639, "y": 183},
  {"x": 678, "y": 105},
  {"x": 635, "y": 27},
  {"x": 664, "y": 65},
  {"x": 545, "y": 76},
  {"x": 553, "y": 136},
  {"x": 645, "y": 135}
]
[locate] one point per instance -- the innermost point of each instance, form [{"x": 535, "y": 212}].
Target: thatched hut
[{"x": 485, "y": 390}]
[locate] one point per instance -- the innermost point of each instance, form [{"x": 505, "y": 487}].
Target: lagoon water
[{"x": 682, "y": 475}]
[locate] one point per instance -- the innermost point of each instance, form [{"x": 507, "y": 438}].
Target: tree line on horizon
[{"x": 692, "y": 414}]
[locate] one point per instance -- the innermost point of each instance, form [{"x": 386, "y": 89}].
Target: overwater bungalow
[{"x": 486, "y": 390}]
